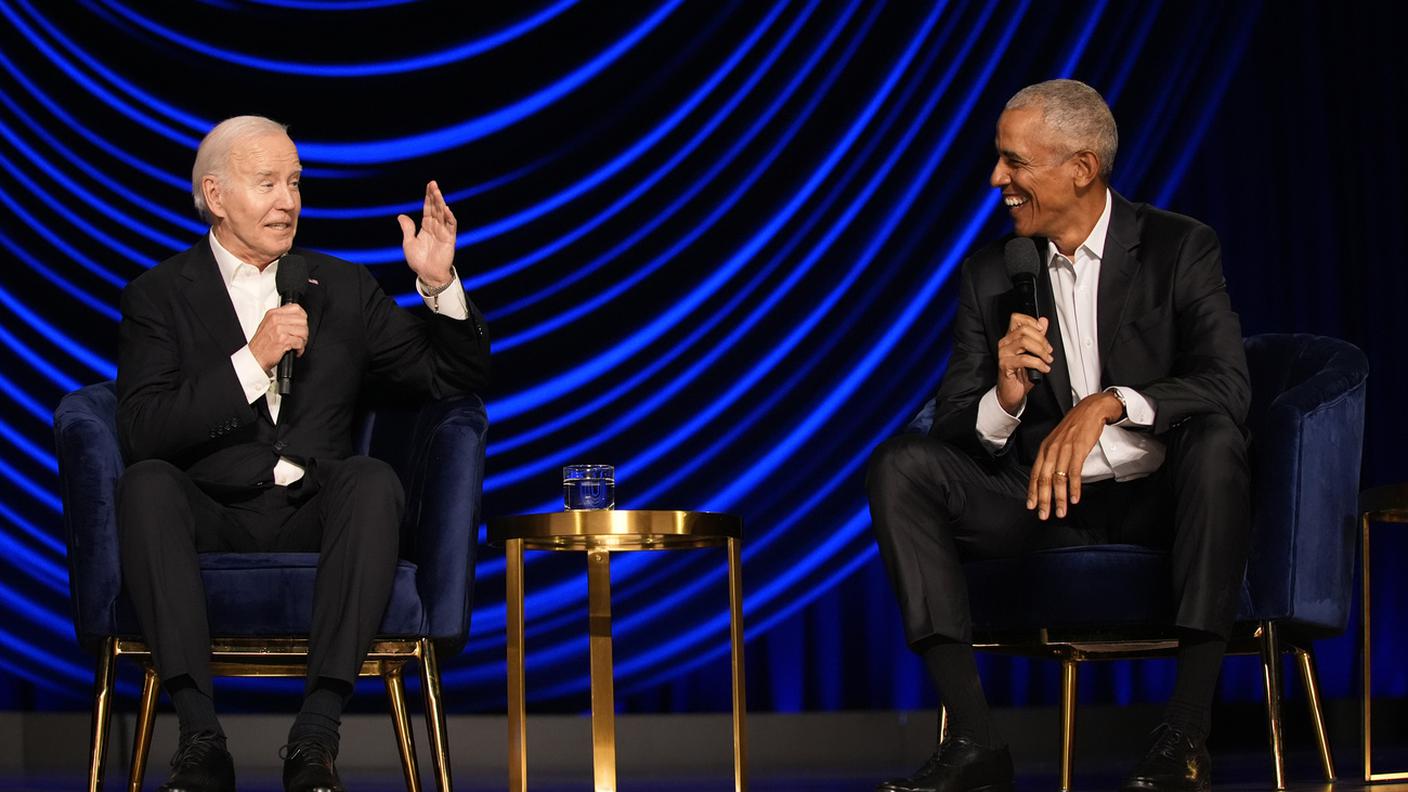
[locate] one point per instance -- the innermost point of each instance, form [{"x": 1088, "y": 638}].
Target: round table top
[
  {"x": 616, "y": 529},
  {"x": 1385, "y": 504}
]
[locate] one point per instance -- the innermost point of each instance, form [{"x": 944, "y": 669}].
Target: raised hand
[{"x": 431, "y": 252}]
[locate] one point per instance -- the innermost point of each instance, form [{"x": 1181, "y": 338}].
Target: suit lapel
[
  {"x": 313, "y": 302},
  {"x": 209, "y": 298},
  {"x": 1059, "y": 380},
  {"x": 1118, "y": 270}
]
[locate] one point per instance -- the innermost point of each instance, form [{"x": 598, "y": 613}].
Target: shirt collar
[
  {"x": 229, "y": 263},
  {"x": 1095, "y": 243}
]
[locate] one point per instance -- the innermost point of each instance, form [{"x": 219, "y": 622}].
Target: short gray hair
[
  {"x": 213, "y": 155},
  {"x": 1077, "y": 113}
]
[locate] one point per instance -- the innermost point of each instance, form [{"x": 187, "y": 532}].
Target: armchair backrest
[
  {"x": 437, "y": 448},
  {"x": 1307, "y": 437}
]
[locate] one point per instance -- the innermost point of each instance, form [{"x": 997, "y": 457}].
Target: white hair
[
  {"x": 213, "y": 155},
  {"x": 1078, "y": 114}
]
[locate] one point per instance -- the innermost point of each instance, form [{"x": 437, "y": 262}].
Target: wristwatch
[{"x": 1124, "y": 405}]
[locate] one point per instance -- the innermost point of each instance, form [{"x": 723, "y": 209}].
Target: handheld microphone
[
  {"x": 291, "y": 281},
  {"x": 1023, "y": 263}
]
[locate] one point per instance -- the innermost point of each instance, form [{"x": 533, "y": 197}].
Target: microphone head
[
  {"x": 1020, "y": 256},
  {"x": 292, "y": 278}
]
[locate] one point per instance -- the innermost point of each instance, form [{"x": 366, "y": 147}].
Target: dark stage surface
[{"x": 1241, "y": 772}]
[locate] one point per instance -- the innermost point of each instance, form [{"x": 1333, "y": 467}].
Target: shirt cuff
[
  {"x": 451, "y": 302},
  {"x": 1139, "y": 411},
  {"x": 252, "y": 376},
  {"x": 996, "y": 425}
]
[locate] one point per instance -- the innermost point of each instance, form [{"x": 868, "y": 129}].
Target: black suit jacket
[
  {"x": 1165, "y": 328},
  {"x": 180, "y": 400}
]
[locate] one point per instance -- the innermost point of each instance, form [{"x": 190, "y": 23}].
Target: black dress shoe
[
  {"x": 308, "y": 767},
  {"x": 201, "y": 764},
  {"x": 959, "y": 765},
  {"x": 1177, "y": 762}
]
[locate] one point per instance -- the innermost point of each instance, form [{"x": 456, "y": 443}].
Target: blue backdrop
[{"x": 716, "y": 244}]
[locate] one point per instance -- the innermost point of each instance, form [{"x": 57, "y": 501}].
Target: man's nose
[
  {"x": 1000, "y": 177},
  {"x": 286, "y": 199}
]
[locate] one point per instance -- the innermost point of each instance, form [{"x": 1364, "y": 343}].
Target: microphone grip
[
  {"x": 1029, "y": 304},
  {"x": 285, "y": 368}
]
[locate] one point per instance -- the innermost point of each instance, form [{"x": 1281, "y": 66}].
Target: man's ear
[
  {"x": 1085, "y": 168},
  {"x": 214, "y": 199}
]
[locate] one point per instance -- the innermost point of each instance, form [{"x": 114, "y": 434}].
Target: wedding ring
[{"x": 1060, "y": 473}]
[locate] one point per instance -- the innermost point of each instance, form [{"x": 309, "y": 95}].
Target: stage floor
[{"x": 1240, "y": 772}]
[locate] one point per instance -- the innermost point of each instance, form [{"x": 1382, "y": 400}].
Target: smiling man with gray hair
[
  {"x": 223, "y": 460},
  {"x": 1133, "y": 436}
]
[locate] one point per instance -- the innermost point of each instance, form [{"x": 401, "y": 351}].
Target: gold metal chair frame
[
  {"x": 1072, "y": 648},
  {"x": 599, "y": 533},
  {"x": 1385, "y": 505},
  {"x": 275, "y": 657}
]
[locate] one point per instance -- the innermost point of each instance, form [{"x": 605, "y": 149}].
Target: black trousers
[
  {"x": 348, "y": 511},
  {"x": 934, "y": 507}
]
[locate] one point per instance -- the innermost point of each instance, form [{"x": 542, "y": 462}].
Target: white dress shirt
[
  {"x": 1120, "y": 453},
  {"x": 254, "y": 293}
]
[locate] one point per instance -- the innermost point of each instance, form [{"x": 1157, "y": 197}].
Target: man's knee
[
  {"x": 1212, "y": 442},
  {"x": 907, "y": 456},
  {"x": 368, "y": 480},
  {"x": 146, "y": 488}
]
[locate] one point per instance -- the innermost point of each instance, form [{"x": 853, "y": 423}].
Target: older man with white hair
[
  {"x": 1134, "y": 436},
  {"x": 221, "y": 459}
]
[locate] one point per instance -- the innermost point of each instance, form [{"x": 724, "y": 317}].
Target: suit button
[{"x": 281, "y": 445}]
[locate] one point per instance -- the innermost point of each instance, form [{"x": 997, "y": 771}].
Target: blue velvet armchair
[
  {"x": 1112, "y": 601},
  {"x": 259, "y": 604}
]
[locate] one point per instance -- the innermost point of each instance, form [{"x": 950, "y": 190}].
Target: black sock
[
  {"x": 195, "y": 711},
  {"x": 321, "y": 714},
  {"x": 955, "y": 673},
  {"x": 1199, "y": 663}
]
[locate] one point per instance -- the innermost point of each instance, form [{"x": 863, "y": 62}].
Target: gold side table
[
  {"x": 599, "y": 534},
  {"x": 1383, "y": 505}
]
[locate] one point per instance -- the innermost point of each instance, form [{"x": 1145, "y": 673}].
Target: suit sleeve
[
  {"x": 972, "y": 372},
  {"x": 436, "y": 356},
  {"x": 1209, "y": 373},
  {"x": 163, "y": 410}
]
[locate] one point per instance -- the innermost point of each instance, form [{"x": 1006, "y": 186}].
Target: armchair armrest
[
  {"x": 90, "y": 463},
  {"x": 442, "y": 470}
]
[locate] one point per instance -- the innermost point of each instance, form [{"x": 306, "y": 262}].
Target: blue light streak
[
  {"x": 103, "y": 367},
  {"x": 59, "y": 281},
  {"x": 563, "y": 384},
  {"x": 630, "y": 155},
  {"x": 457, "y": 53}
]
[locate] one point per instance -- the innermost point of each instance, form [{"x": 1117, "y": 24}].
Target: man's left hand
[
  {"x": 430, "y": 253},
  {"x": 1055, "y": 478}
]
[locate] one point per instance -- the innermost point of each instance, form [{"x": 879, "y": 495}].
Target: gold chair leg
[
  {"x": 1271, "y": 675},
  {"x": 602, "y": 684},
  {"x": 740, "y": 704},
  {"x": 435, "y": 715},
  {"x": 513, "y": 604},
  {"x": 146, "y": 719},
  {"x": 1308, "y": 677},
  {"x": 1069, "y": 680},
  {"x": 1365, "y": 712},
  {"x": 393, "y": 676},
  {"x": 104, "y": 683}
]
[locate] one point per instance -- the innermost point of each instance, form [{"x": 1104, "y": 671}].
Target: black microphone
[
  {"x": 291, "y": 281},
  {"x": 1023, "y": 263}
]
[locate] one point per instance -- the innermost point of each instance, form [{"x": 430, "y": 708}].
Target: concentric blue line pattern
[{"x": 717, "y": 243}]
